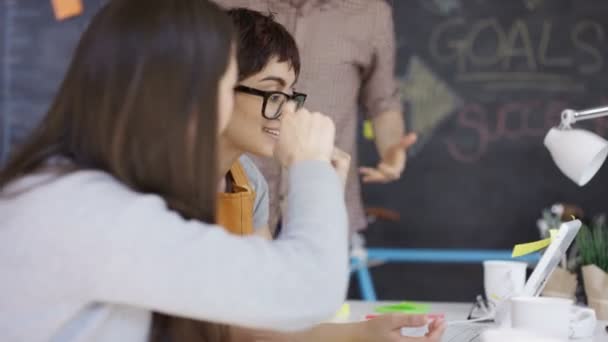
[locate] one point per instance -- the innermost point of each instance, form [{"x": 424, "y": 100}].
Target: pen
[{"x": 481, "y": 303}]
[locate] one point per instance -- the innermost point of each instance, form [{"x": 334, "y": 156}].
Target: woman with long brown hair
[{"x": 107, "y": 210}]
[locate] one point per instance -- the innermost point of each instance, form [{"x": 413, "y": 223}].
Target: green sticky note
[{"x": 404, "y": 307}]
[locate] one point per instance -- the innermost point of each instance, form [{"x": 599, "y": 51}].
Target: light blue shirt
[{"x": 259, "y": 185}]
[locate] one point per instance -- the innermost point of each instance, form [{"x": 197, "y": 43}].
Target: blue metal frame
[
  {"x": 444, "y": 255},
  {"x": 366, "y": 285},
  {"x": 462, "y": 256}
]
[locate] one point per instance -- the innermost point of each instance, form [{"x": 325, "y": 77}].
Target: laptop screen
[{"x": 551, "y": 258}]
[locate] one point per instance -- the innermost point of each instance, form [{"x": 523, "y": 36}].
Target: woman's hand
[
  {"x": 304, "y": 136},
  {"x": 340, "y": 160},
  {"x": 384, "y": 328},
  {"x": 388, "y": 328}
]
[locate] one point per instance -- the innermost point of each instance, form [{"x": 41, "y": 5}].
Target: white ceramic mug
[
  {"x": 552, "y": 317},
  {"x": 503, "y": 279}
]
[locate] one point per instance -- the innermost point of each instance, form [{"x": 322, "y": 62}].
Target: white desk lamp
[{"x": 579, "y": 154}]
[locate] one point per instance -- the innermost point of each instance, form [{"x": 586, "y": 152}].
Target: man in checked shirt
[{"x": 347, "y": 52}]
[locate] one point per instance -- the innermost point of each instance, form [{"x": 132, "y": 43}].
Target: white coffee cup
[
  {"x": 503, "y": 279},
  {"x": 552, "y": 317}
]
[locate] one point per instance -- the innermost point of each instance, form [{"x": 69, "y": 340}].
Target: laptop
[{"x": 459, "y": 331}]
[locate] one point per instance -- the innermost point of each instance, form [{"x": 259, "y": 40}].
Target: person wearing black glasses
[
  {"x": 273, "y": 100},
  {"x": 347, "y": 50},
  {"x": 269, "y": 66},
  {"x": 268, "y": 62},
  {"x": 259, "y": 99}
]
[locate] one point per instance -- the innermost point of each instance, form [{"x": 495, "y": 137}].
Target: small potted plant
[{"x": 592, "y": 243}]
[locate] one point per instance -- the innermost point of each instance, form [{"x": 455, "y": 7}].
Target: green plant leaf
[{"x": 593, "y": 244}]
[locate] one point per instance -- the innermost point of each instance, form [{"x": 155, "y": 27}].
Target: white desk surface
[{"x": 452, "y": 311}]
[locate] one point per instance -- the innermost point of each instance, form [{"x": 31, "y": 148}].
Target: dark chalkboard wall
[
  {"x": 35, "y": 52},
  {"x": 482, "y": 81}
]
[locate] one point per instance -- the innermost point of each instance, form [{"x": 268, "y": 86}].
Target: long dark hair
[{"x": 144, "y": 75}]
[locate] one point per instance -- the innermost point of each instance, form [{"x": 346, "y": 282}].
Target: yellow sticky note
[
  {"x": 344, "y": 312},
  {"x": 531, "y": 247},
  {"x": 495, "y": 297},
  {"x": 65, "y": 9},
  {"x": 368, "y": 130}
]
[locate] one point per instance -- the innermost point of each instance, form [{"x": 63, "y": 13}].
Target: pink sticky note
[{"x": 436, "y": 316}]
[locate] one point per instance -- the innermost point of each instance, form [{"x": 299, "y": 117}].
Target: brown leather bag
[{"x": 235, "y": 208}]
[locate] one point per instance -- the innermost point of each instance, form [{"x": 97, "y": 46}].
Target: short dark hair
[{"x": 259, "y": 39}]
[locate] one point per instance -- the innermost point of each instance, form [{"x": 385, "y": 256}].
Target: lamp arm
[{"x": 570, "y": 116}]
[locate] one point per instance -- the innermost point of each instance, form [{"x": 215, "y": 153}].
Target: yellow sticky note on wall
[
  {"x": 368, "y": 130},
  {"x": 65, "y": 9}
]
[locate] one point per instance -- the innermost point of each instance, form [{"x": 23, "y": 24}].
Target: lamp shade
[{"x": 579, "y": 154}]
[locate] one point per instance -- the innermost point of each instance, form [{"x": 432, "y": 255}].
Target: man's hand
[{"x": 392, "y": 164}]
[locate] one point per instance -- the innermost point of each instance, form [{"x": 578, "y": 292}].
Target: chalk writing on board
[
  {"x": 517, "y": 59},
  {"x": 513, "y": 120},
  {"x": 533, "y": 4},
  {"x": 430, "y": 100},
  {"x": 442, "y": 7},
  {"x": 499, "y": 58}
]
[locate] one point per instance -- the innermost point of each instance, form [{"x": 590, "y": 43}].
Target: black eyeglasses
[{"x": 273, "y": 100}]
